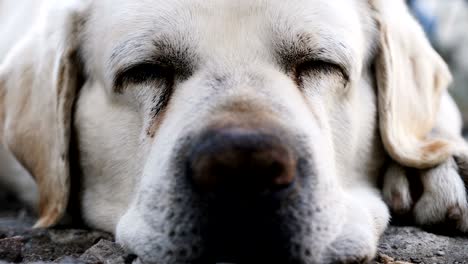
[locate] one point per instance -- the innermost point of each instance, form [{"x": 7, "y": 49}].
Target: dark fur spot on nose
[{"x": 241, "y": 160}]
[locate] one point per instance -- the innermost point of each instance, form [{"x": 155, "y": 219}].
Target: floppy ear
[
  {"x": 38, "y": 83},
  {"x": 411, "y": 78}
]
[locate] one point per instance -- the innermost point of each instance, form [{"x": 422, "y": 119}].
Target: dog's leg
[
  {"x": 443, "y": 196},
  {"x": 396, "y": 189}
]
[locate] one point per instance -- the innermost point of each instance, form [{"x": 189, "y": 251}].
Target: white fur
[
  {"x": 131, "y": 185},
  {"x": 444, "y": 192},
  {"x": 14, "y": 179}
]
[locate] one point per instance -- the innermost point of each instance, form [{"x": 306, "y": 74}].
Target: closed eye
[
  {"x": 143, "y": 73},
  {"x": 312, "y": 67}
]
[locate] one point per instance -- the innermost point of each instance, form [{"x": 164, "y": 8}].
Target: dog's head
[{"x": 220, "y": 130}]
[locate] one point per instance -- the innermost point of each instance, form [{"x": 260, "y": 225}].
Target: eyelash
[
  {"x": 146, "y": 72},
  {"x": 318, "y": 66},
  {"x": 143, "y": 73}
]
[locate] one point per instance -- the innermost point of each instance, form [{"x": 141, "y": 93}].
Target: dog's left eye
[
  {"x": 143, "y": 73},
  {"x": 314, "y": 67}
]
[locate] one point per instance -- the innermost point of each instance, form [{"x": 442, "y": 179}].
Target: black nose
[{"x": 240, "y": 160}]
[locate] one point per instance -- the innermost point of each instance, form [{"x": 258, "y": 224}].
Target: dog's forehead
[
  {"x": 123, "y": 31},
  {"x": 179, "y": 11}
]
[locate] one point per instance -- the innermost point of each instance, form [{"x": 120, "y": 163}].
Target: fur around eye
[
  {"x": 143, "y": 73},
  {"x": 316, "y": 67}
]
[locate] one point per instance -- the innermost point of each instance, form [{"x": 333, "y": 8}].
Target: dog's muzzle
[
  {"x": 240, "y": 193},
  {"x": 245, "y": 177}
]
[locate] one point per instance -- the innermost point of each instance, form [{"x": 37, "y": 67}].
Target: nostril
[
  {"x": 241, "y": 161},
  {"x": 274, "y": 168},
  {"x": 282, "y": 176}
]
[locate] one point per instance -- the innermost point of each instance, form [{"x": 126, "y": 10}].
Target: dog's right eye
[{"x": 143, "y": 73}]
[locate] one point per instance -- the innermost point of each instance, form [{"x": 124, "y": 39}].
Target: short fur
[{"x": 356, "y": 89}]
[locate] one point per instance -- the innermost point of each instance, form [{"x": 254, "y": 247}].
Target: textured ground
[
  {"x": 416, "y": 246},
  {"x": 20, "y": 244}
]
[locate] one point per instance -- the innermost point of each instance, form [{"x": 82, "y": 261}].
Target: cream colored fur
[{"x": 348, "y": 125}]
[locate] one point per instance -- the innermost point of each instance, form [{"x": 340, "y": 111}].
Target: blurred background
[{"x": 446, "y": 24}]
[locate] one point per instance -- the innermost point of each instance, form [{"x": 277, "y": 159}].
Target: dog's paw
[
  {"x": 397, "y": 190},
  {"x": 443, "y": 198},
  {"x": 366, "y": 219},
  {"x": 431, "y": 197},
  {"x": 354, "y": 246}
]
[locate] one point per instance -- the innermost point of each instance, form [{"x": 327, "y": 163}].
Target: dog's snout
[{"x": 241, "y": 160}]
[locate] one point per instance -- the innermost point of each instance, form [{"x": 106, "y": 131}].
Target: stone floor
[{"x": 20, "y": 244}]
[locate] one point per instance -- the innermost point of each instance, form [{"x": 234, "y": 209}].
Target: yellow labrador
[{"x": 245, "y": 131}]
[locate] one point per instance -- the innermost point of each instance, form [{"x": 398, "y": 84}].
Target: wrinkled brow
[{"x": 164, "y": 51}]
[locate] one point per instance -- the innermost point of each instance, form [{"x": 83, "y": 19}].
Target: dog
[{"x": 232, "y": 131}]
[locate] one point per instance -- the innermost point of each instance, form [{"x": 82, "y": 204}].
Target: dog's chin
[
  {"x": 251, "y": 231},
  {"x": 261, "y": 230},
  {"x": 235, "y": 241},
  {"x": 244, "y": 245},
  {"x": 178, "y": 223}
]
